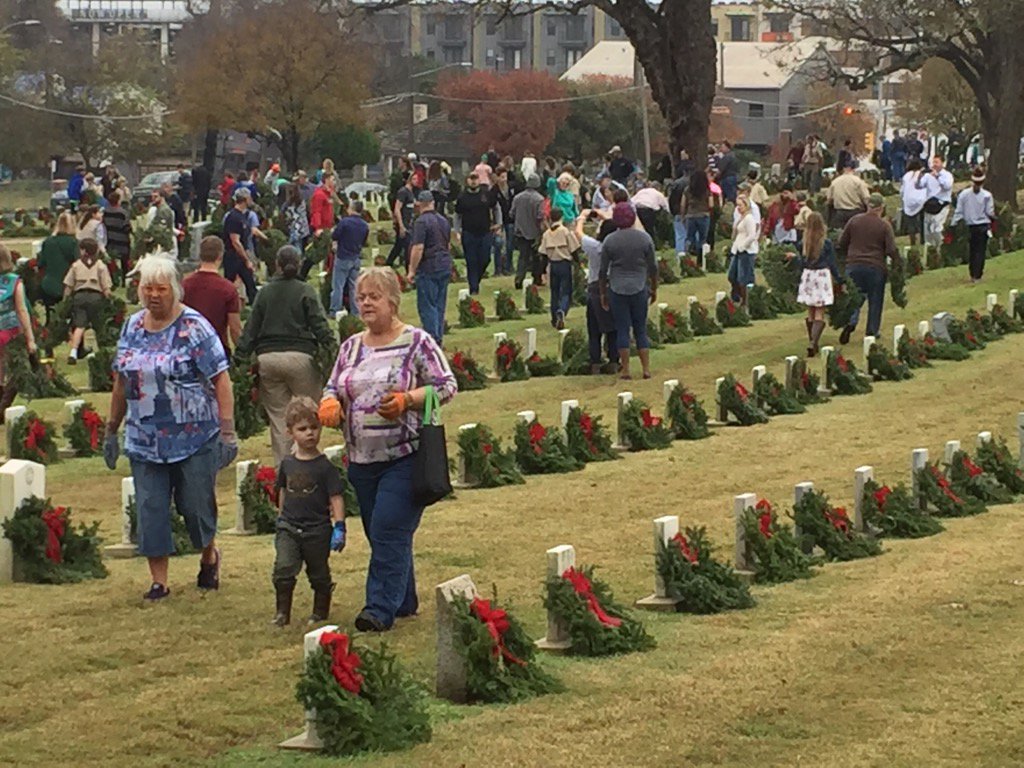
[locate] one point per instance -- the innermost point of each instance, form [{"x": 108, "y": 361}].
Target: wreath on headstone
[
  {"x": 936, "y": 490},
  {"x": 915, "y": 264},
  {"x": 995, "y": 458},
  {"x": 501, "y": 665},
  {"x": 33, "y": 379},
  {"x": 674, "y": 328},
  {"x": 349, "y": 325},
  {"x": 266, "y": 250},
  {"x": 687, "y": 419},
  {"x": 666, "y": 275},
  {"x": 318, "y": 247},
  {"x": 731, "y": 315},
  {"x": 575, "y": 354},
  {"x": 884, "y": 366},
  {"x": 982, "y": 326},
  {"x": 84, "y": 432},
  {"x": 505, "y": 306},
  {"x": 911, "y": 352},
  {"x": 48, "y": 549},
  {"x": 892, "y": 512},
  {"x": 579, "y": 285},
  {"x": 641, "y": 430},
  {"x": 934, "y": 349},
  {"x": 969, "y": 480},
  {"x": 258, "y": 495},
  {"x": 806, "y": 384},
  {"x": 688, "y": 267},
  {"x": 508, "y": 360},
  {"x": 772, "y": 547},
  {"x": 32, "y": 438},
  {"x": 695, "y": 580},
  {"x": 486, "y": 463},
  {"x": 700, "y": 321},
  {"x": 830, "y": 528},
  {"x": 845, "y": 378},
  {"x": 468, "y": 373},
  {"x": 587, "y": 438},
  {"x": 597, "y": 625},
  {"x": 735, "y": 399},
  {"x": 898, "y": 281},
  {"x": 471, "y": 313},
  {"x": 364, "y": 699},
  {"x": 250, "y": 416},
  {"x": 1002, "y": 320},
  {"x": 348, "y": 491},
  {"x": 653, "y": 336},
  {"x": 775, "y": 398},
  {"x": 31, "y": 278},
  {"x": 101, "y": 369},
  {"x": 543, "y": 451},
  {"x": 534, "y": 301},
  {"x": 541, "y": 367},
  {"x": 759, "y": 303},
  {"x": 960, "y": 334}
]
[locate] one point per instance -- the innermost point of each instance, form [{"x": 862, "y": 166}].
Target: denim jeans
[
  {"x": 697, "y": 233},
  {"x": 477, "y": 249},
  {"x": 235, "y": 267},
  {"x": 191, "y": 483},
  {"x": 390, "y": 518},
  {"x": 630, "y": 311},
  {"x": 561, "y": 288},
  {"x": 431, "y": 299},
  {"x": 343, "y": 279},
  {"x": 871, "y": 282},
  {"x": 503, "y": 250},
  {"x": 679, "y": 229}
]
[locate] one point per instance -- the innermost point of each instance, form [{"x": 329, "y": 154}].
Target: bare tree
[{"x": 981, "y": 39}]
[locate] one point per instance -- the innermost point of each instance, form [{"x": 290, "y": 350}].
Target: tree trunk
[
  {"x": 677, "y": 52},
  {"x": 1002, "y": 113},
  {"x": 210, "y": 149},
  {"x": 290, "y": 149}
]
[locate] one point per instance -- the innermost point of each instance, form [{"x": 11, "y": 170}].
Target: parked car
[{"x": 152, "y": 181}]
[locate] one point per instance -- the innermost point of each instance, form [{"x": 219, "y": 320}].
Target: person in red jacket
[
  {"x": 780, "y": 224},
  {"x": 225, "y": 189},
  {"x": 321, "y": 216}
]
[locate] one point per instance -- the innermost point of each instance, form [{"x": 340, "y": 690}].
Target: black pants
[
  {"x": 294, "y": 547},
  {"x": 978, "y": 249},
  {"x": 530, "y": 260},
  {"x": 649, "y": 218},
  {"x": 600, "y": 327},
  {"x": 201, "y": 206},
  {"x": 235, "y": 267},
  {"x": 400, "y": 249}
]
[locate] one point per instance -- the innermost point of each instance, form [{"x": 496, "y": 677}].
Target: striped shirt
[{"x": 362, "y": 376}]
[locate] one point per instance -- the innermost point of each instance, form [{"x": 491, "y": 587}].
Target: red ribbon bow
[
  {"x": 457, "y": 360},
  {"x": 689, "y": 553},
  {"x": 581, "y": 584},
  {"x": 670, "y": 319},
  {"x": 764, "y": 522},
  {"x": 35, "y": 434},
  {"x": 649, "y": 421},
  {"x": 688, "y": 399},
  {"x": 92, "y": 422},
  {"x": 882, "y": 495},
  {"x": 972, "y": 469},
  {"x": 742, "y": 391},
  {"x": 267, "y": 479},
  {"x": 343, "y": 662},
  {"x": 838, "y": 519},
  {"x": 537, "y": 433},
  {"x": 496, "y": 621},
  {"x": 842, "y": 364},
  {"x": 505, "y": 355},
  {"x": 55, "y": 520},
  {"x": 730, "y": 307}
]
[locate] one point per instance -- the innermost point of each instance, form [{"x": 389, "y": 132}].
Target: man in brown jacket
[{"x": 867, "y": 240}]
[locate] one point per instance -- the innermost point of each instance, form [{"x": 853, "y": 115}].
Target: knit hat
[{"x": 623, "y": 215}]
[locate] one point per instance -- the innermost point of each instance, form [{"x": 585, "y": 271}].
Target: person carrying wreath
[
  {"x": 15, "y": 318},
  {"x": 172, "y": 390},
  {"x": 377, "y": 389}
]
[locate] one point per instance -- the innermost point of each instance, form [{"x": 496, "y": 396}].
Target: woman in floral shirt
[{"x": 378, "y": 388}]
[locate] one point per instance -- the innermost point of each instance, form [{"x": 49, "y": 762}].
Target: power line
[
  {"x": 83, "y": 116},
  {"x": 396, "y": 97}
]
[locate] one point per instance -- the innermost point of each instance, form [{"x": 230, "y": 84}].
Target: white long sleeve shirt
[
  {"x": 745, "y": 232},
  {"x": 974, "y": 208},
  {"x": 939, "y": 185}
]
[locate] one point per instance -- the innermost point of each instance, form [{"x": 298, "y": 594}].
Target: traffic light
[
  {"x": 869, "y": 142},
  {"x": 847, "y": 110}
]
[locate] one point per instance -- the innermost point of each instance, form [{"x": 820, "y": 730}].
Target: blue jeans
[
  {"x": 191, "y": 483},
  {"x": 730, "y": 186},
  {"x": 899, "y": 166},
  {"x": 679, "y": 229},
  {"x": 344, "y": 278},
  {"x": 390, "y": 518},
  {"x": 477, "y": 249},
  {"x": 871, "y": 282},
  {"x": 697, "y": 232},
  {"x": 431, "y": 299},
  {"x": 561, "y": 288},
  {"x": 630, "y": 312},
  {"x": 503, "y": 250}
]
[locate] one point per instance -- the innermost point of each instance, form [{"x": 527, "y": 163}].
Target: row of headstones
[{"x": 16, "y": 413}]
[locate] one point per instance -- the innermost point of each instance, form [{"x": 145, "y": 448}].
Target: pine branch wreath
[
  {"x": 259, "y": 498},
  {"x": 348, "y": 493},
  {"x": 101, "y": 373},
  {"x": 32, "y": 438},
  {"x": 695, "y": 580},
  {"x": 542, "y": 367},
  {"x": 318, "y": 247},
  {"x": 981, "y": 326},
  {"x": 995, "y": 458},
  {"x": 471, "y": 313},
  {"x": 579, "y": 285},
  {"x": 666, "y": 275},
  {"x": 829, "y": 528},
  {"x": 912, "y": 352},
  {"x": 469, "y": 375},
  {"x": 508, "y": 361},
  {"x": 534, "y": 301},
  {"x": 364, "y": 699},
  {"x": 775, "y": 399},
  {"x": 642, "y": 431},
  {"x": 501, "y": 659},
  {"x": 960, "y": 334},
  {"x": 736, "y": 399},
  {"x": 48, "y": 549},
  {"x": 845, "y": 378},
  {"x": 806, "y": 384},
  {"x": 576, "y": 354},
  {"x": 772, "y": 547},
  {"x": 898, "y": 281},
  {"x": 33, "y": 382},
  {"x": 687, "y": 418},
  {"x": 731, "y": 315},
  {"x": 653, "y": 335},
  {"x": 587, "y": 438},
  {"x": 915, "y": 266},
  {"x": 689, "y": 267},
  {"x": 848, "y": 298},
  {"x": 84, "y": 432},
  {"x": 674, "y": 328},
  {"x": 349, "y": 325},
  {"x": 970, "y": 480},
  {"x": 1001, "y": 319},
  {"x": 759, "y": 304},
  {"x": 505, "y": 306},
  {"x": 936, "y": 490},
  {"x": 893, "y": 514},
  {"x": 250, "y": 416},
  {"x": 701, "y": 323},
  {"x": 943, "y": 350},
  {"x": 882, "y": 366},
  {"x": 598, "y": 626},
  {"x": 542, "y": 451},
  {"x": 486, "y": 463}
]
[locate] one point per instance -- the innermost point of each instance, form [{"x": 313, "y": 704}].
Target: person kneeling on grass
[
  {"x": 311, "y": 522},
  {"x": 88, "y": 284}
]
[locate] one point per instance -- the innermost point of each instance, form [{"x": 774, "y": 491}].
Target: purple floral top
[{"x": 362, "y": 376}]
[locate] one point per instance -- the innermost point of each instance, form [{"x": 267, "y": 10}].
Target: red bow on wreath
[
  {"x": 35, "y": 435},
  {"x": 266, "y": 477},
  {"x": 587, "y": 428},
  {"x": 882, "y": 495},
  {"x": 496, "y": 621},
  {"x": 92, "y": 422},
  {"x": 649, "y": 421},
  {"x": 842, "y": 364},
  {"x": 581, "y": 584},
  {"x": 457, "y": 360},
  {"x": 537, "y": 433},
  {"x": 505, "y": 355},
  {"x": 945, "y": 486},
  {"x": 343, "y": 663},
  {"x": 742, "y": 392},
  {"x": 670, "y": 319},
  {"x": 730, "y": 307},
  {"x": 838, "y": 519},
  {"x": 764, "y": 522},
  {"x": 54, "y": 520},
  {"x": 689, "y": 553}
]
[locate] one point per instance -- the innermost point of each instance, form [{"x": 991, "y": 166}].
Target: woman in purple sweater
[{"x": 378, "y": 388}]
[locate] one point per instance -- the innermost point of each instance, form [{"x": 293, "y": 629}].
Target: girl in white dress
[{"x": 819, "y": 273}]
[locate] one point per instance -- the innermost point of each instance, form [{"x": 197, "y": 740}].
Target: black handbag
[{"x": 431, "y": 481}]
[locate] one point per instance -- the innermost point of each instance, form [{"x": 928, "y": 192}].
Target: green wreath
[
  {"x": 687, "y": 418},
  {"x": 32, "y": 438},
  {"x": 936, "y": 491},
  {"x": 505, "y": 306},
  {"x": 995, "y": 458},
  {"x": 775, "y": 398},
  {"x": 701, "y": 323},
  {"x": 695, "y": 580},
  {"x": 829, "y": 528},
  {"x": 542, "y": 451},
  {"x": 485, "y": 461},
  {"x": 84, "y": 432},
  {"x": 772, "y": 548},
  {"x": 48, "y": 549},
  {"x": 883, "y": 366},
  {"x": 587, "y": 438},
  {"x": 735, "y": 399},
  {"x": 640, "y": 430},
  {"x": 893, "y": 513}
]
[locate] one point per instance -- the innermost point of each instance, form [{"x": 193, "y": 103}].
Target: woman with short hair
[
  {"x": 378, "y": 389},
  {"x": 172, "y": 390}
]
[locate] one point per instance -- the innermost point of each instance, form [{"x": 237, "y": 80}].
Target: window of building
[
  {"x": 739, "y": 28},
  {"x": 512, "y": 29},
  {"x": 614, "y": 29},
  {"x": 552, "y": 30},
  {"x": 392, "y": 28},
  {"x": 575, "y": 29},
  {"x": 454, "y": 54},
  {"x": 794, "y": 110},
  {"x": 572, "y": 55},
  {"x": 779, "y": 22},
  {"x": 431, "y": 54},
  {"x": 513, "y": 58},
  {"x": 492, "y": 24},
  {"x": 551, "y": 58},
  {"x": 755, "y": 110},
  {"x": 431, "y": 26},
  {"x": 714, "y": 28},
  {"x": 454, "y": 28}
]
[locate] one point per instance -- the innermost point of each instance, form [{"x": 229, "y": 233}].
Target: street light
[{"x": 22, "y": 23}]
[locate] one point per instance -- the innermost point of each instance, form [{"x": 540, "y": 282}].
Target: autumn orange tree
[
  {"x": 296, "y": 71},
  {"x": 474, "y": 101}
]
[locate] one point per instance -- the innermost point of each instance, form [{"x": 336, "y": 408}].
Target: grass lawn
[
  {"x": 25, "y": 193},
  {"x": 908, "y": 659}
]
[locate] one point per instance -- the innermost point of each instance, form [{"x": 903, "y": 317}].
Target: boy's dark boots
[
  {"x": 283, "y": 616},
  {"x": 321, "y": 605}
]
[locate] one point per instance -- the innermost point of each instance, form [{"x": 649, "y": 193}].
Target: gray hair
[{"x": 160, "y": 268}]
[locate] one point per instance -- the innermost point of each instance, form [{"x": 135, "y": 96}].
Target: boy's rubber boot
[{"x": 284, "y": 593}]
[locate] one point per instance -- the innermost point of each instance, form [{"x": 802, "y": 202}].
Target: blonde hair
[
  {"x": 301, "y": 410},
  {"x": 66, "y": 224},
  {"x": 383, "y": 279},
  {"x": 6, "y": 260},
  {"x": 814, "y": 237}
]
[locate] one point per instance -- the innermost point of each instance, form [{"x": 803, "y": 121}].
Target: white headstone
[
  {"x": 334, "y": 452},
  {"x": 374, "y": 253},
  {"x": 952, "y": 446},
  {"x": 531, "y": 342},
  {"x": 567, "y": 406},
  {"x": 499, "y": 337},
  {"x": 868, "y": 341},
  {"x": 1014, "y": 293},
  {"x": 127, "y": 545},
  {"x": 918, "y": 458},
  {"x": 662, "y": 306},
  {"x": 940, "y": 326},
  {"x": 340, "y": 314},
  {"x": 463, "y": 294},
  {"x": 37, "y": 247},
  {"x": 690, "y": 301},
  {"x": 667, "y": 388},
  {"x": 561, "y": 344},
  {"x": 527, "y": 282},
  {"x": 624, "y": 399},
  {"x": 19, "y": 480},
  {"x": 461, "y": 478},
  {"x": 665, "y": 528},
  {"x": 861, "y": 475},
  {"x": 990, "y": 301},
  {"x": 451, "y": 664},
  {"x": 559, "y": 560},
  {"x": 826, "y": 380},
  {"x": 244, "y": 526},
  {"x": 73, "y": 407},
  {"x": 526, "y": 416},
  {"x": 755, "y": 376},
  {"x": 791, "y": 363},
  {"x": 740, "y": 504},
  {"x": 897, "y": 334},
  {"x": 923, "y": 329},
  {"x": 719, "y": 297},
  {"x": 309, "y": 739},
  {"x": 984, "y": 438},
  {"x": 12, "y": 416}
]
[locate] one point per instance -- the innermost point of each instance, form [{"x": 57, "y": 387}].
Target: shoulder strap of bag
[{"x": 431, "y": 406}]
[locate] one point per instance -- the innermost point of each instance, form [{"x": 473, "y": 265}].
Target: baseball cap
[
  {"x": 425, "y": 197},
  {"x": 275, "y": 167},
  {"x": 876, "y": 201}
]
